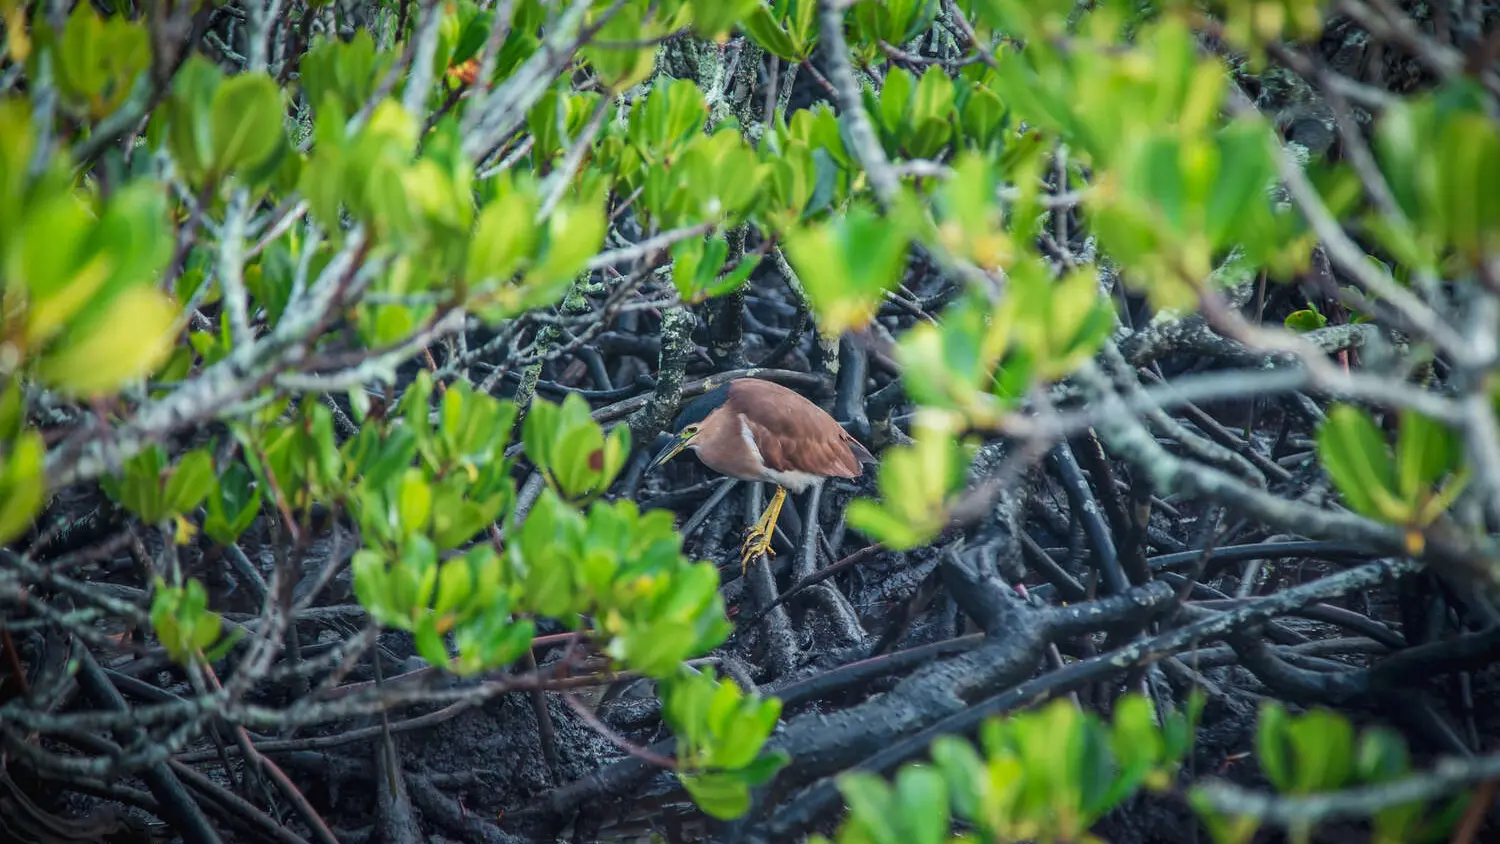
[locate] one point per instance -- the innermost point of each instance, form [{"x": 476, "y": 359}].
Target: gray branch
[
  {"x": 1447, "y": 777},
  {"x": 414, "y": 98}
]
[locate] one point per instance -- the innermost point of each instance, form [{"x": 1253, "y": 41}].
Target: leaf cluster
[{"x": 1045, "y": 775}]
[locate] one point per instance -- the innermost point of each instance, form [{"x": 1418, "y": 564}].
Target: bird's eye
[{"x": 691, "y": 430}]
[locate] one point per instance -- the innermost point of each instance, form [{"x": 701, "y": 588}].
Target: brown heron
[{"x": 757, "y": 430}]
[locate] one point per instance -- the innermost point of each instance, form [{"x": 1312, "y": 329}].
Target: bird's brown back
[{"x": 793, "y": 434}]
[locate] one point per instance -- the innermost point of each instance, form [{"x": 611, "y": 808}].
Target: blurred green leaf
[
  {"x": 1305, "y": 320},
  {"x": 539, "y": 556},
  {"x": 669, "y": 117},
  {"x": 1224, "y": 829},
  {"x": 1272, "y": 748},
  {"x": 1324, "y": 746},
  {"x": 191, "y": 481},
  {"x": 1426, "y": 451},
  {"x": 246, "y": 122},
  {"x": 722, "y": 796},
  {"x": 713, "y": 20},
  {"x": 870, "y": 807},
  {"x": 232, "y": 506},
  {"x": 1359, "y": 463},
  {"x": 922, "y": 798},
  {"x": 414, "y": 502},
  {"x": 720, "y": 732},
  {"x": 915, "y": 484},
  {"x": 1059, "y": 323},
  {"x": 1382, "y": 756},
  {"x": 217, "y": 126},
  {"x": 12, "y": 410},
  {"x": 620, "y": 68},
  {"x": 98, "y": 59},
  {"x": 847, "y": 265},
  {"x": 1047, "y": 774},
  {"x": 970, "y": 223},
  {"x": 893, "y": 21},
  {"x": 134, "y": 341},
  {"x": 22, "y": 483},
  {"x": 184, "y": 625},
  {"x": 572, "y": 450},
  {"x": 556, "y": 120},
  {"x": 348, "y": 71},
  {"x": 697, "y": 269},
  {"x": 784, "y": 28}
]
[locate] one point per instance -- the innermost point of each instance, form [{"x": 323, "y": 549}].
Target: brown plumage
[
  {"x": 795, "y": 439},
  {"x": 757, "y": 430}
]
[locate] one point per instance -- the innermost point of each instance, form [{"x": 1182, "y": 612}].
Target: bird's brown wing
[{"x": 793, "y": 434}]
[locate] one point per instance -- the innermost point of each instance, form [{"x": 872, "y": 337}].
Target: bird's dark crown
[{"x": 698, "y": 409}]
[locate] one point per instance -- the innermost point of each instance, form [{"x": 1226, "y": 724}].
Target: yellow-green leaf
[{"x": 132, "y": 341}]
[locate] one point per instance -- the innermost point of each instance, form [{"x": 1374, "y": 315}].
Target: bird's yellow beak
[{"x": 678, "y": 443}]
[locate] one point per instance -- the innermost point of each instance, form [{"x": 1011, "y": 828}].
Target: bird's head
[
  {"x": 680, "y": 440},
  {"x": 690, "y": 423}
]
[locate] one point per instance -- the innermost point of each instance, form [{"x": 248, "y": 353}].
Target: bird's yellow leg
[{"x": 758, "y": 540}]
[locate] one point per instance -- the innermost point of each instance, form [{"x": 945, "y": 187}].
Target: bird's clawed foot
[
  {"x": 757, "y": 542},
  {"x": 758, "y": 538}
]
